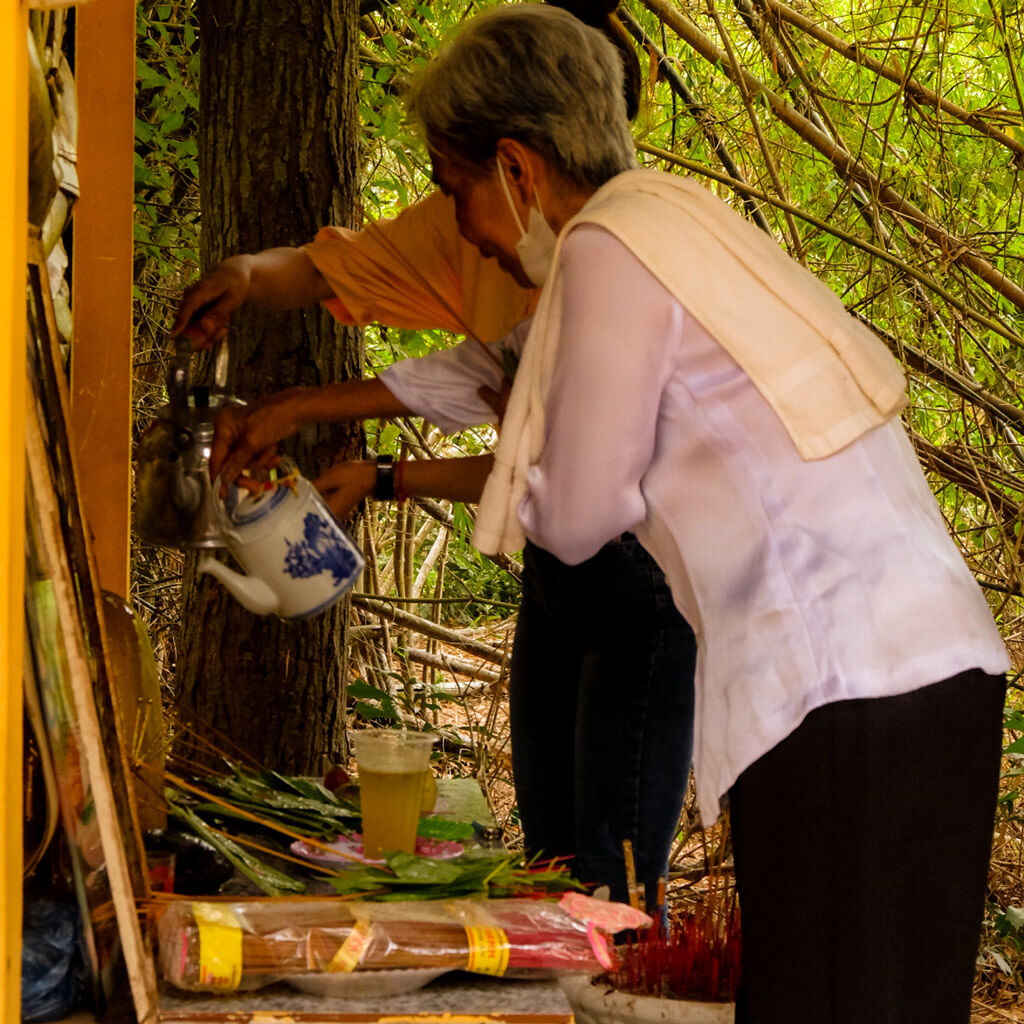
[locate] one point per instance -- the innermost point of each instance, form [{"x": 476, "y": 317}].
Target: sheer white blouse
[{"x": 806, "y": 582}]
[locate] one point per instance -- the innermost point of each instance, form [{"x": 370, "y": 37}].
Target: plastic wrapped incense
[{"x": 222, "y": 947}]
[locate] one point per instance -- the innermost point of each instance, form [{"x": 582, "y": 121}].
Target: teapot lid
[{"x": 244, "y": 508}]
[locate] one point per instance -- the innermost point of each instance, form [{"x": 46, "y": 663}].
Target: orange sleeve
[{"x": 417, "y": 271}]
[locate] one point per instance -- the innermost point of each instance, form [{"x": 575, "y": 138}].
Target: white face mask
[{"x": 536, "y": 247}]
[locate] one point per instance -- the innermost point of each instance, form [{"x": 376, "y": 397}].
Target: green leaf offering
[
  {"x": 409, "y": 877},
  {"x": 444, "y": 828}
]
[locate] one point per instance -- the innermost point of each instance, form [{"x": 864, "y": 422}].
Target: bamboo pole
[
  {"x": 13, "y": 220},
  {"x": 904, "y": 267},
  {"x": 385, "y": 610},
  {"x": 847, "y": 166},
  {"x": 855, "y": 52}
]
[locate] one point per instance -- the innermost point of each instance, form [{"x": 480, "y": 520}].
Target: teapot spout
[{"x": 250, "y": 592}]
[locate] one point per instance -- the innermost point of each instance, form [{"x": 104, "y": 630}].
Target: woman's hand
[
  {"x": 246, "y": 436},
  {"x": 280, "y": 278},
  {"x": 346, "y": 484},
  {"x": 206, "y": 306}
]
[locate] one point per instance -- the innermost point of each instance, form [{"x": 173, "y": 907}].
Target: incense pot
[
  {"x": 298, "y": 560},
  {"x": 594, "y": 1002}
]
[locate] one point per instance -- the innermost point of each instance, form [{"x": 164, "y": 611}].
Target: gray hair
[{"x": 533, "y": 73}]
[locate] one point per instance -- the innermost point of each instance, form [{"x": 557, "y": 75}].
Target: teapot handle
[
  {"x": 220, "y": 513},
  {"x": 178, "y": 377}
]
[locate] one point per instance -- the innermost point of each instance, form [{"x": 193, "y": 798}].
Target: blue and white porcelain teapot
[{"x": 297, "y": 558}]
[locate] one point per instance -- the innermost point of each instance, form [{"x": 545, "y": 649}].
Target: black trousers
[{"x": 862, "y": 844}]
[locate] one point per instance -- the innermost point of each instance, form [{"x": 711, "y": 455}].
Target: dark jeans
[
  {"x": 601, "y": 699},
  {"x": 862, "y": 845}
]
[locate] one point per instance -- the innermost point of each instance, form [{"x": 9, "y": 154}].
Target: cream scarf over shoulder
[{"x": 828, "y": 378}]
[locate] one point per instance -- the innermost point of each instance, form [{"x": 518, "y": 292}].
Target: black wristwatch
[{"x": 384, "y": 485}]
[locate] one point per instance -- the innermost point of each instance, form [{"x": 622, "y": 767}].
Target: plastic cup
[{"x": 393, "y": 767}]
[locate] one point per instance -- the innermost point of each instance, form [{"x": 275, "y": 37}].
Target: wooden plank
[
  {"x": 101, "y": 355},
  {"x": 56, "y": 488},
  {"x": 141, "y": 974},
  {"x": 13, "y": 218},
  {"x": 337, "y": 1017},
  {"x": 53, "y": 397}
]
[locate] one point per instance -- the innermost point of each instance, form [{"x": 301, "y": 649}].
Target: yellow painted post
[
  {"x": 101, "y": 355},
  {"x": 13, "y": 236}
]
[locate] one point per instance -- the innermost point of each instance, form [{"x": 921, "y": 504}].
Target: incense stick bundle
[{"x": 227, "y": 946}]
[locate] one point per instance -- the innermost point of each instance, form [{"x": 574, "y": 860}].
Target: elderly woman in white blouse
[{"x": 684, "y": 380}]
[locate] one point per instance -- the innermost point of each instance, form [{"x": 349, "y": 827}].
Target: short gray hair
[{"x": 533, "y": 73}]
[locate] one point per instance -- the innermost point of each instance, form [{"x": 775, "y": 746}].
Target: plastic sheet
[
  {"x": 225, "y": 946},
  {"x": 51, "y": 962}
]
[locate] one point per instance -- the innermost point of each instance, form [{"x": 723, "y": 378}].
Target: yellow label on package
[
  {"x": 488, "y": 950},
  {"x": 351, "y": 951},
  {"x": 220, "y": 946}
]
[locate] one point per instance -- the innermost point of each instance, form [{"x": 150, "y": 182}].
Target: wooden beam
[
  {"x": 101, "y": 359},
  {"x": 137, "y": 958},
  {"x": 13, "y": 235}
]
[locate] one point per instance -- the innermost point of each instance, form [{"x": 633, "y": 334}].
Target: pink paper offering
[{"x": 349, "y": 849}]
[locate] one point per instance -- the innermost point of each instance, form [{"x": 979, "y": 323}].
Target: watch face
[{"x": 384, "y": 485}]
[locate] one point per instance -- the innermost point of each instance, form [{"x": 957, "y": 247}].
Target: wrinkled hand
[
  {"x": 346, "y": 484},
  {"x": 207, "y": 305},
  {"x": 245, "y": 436}
]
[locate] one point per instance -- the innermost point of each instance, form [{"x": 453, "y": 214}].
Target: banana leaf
[{"x": 272, "y": 881}]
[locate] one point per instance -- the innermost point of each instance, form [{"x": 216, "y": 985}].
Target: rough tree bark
[{"x": 278, "y": 159}]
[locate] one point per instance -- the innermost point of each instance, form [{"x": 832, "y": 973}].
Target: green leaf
[
  {"x": 422, "y": 870},
  {"x": 270, "y": 880},
  {"x": 174, "y": 120},
  {"x": 1015, "y": 918},
  {"x": 149, "y": 78},
  {"x": 444, "y": 828}
]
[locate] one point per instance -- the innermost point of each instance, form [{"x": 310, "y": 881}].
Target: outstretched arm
[
  {"x": 347, "y": 483},
  {"x": 247, "y": 435},
  {"x": 282, "y": 278}
]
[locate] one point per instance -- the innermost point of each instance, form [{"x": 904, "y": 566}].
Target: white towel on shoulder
[{"x": 828, "y": 378}]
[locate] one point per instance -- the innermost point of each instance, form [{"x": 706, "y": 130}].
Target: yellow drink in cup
[{"x": 393, "y": 766}]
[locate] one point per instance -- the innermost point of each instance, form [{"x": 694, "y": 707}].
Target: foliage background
[{"x": 881, "y": 142}]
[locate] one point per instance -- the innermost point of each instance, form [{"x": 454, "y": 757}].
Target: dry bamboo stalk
[
  {"x": 699, "y": 114},
  {"x": 388, "y": 578},
  {"x": 381, "y": 608},
  {"x": 911, "y": 271},
  {"x": 435, "y": 614},
  {"x": 968, "y": 471},
  {"x": 789, "y": 70},
  {"x": 846, "y": 165},
  {"x": 370, "y": 549},
  {"x": 428, "y": 563},
  {"x": 454, "y": 665},
  {"x": 855, "y": 52},
  {"x": 796, "y": 242},
  {"x": 398, "y": 552}
]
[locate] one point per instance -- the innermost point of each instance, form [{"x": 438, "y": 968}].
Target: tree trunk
[{"x": 278, "y": 159}]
